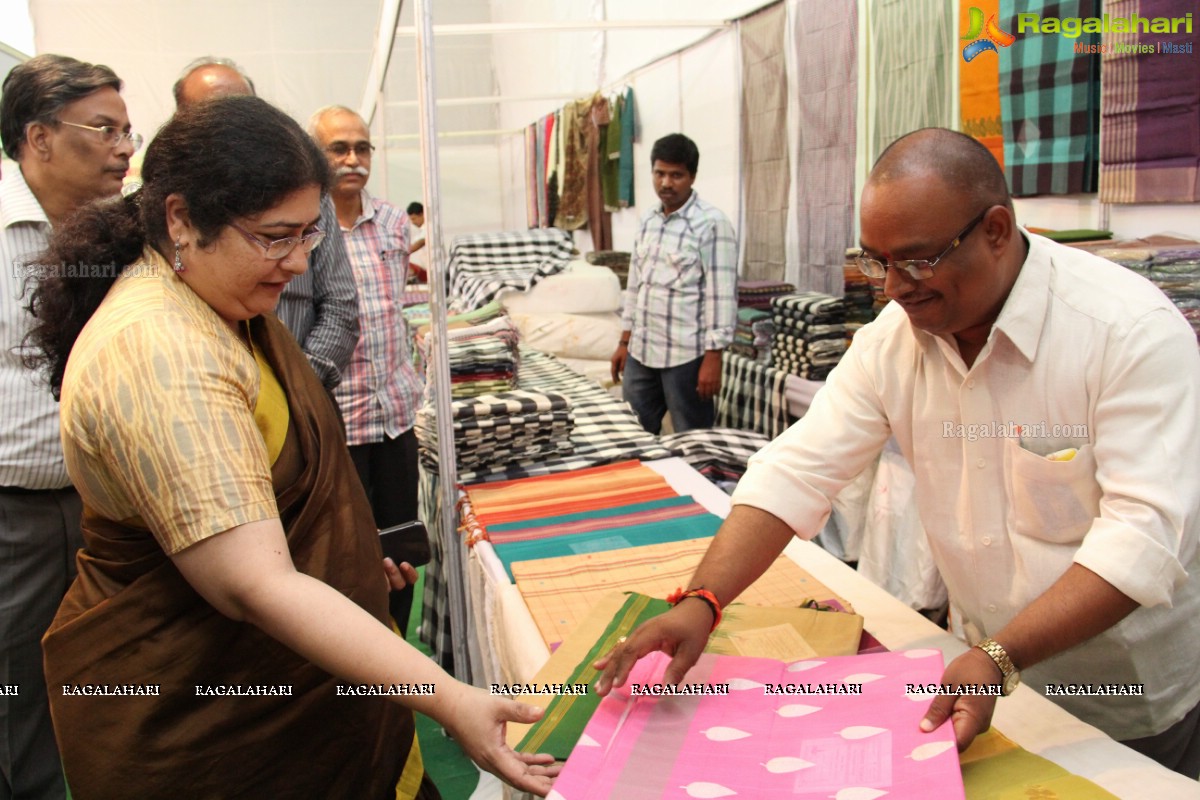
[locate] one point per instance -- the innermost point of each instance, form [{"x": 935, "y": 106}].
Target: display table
[{"x": 511, "y": 650}]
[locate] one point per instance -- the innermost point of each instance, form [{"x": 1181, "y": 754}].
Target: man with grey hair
[
  {"x": 381, "y": 391},
  {"x": 64, "y": 124},
  {"x": 320, "y": 307}
]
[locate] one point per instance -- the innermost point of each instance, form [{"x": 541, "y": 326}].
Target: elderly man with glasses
[
  {"x": 381, "y": 391},
  {"x": 1047, "y": 402},
  {"x": 64, "y": 124}
]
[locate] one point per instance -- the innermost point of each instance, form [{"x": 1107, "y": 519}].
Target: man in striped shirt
[
  {"x": 64, "y": 124},
  {"x": 380, "y": 390},
  {"x": 680, "y": 306}
]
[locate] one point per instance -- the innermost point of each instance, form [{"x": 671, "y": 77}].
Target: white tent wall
[{"x": 302, "y": 54}]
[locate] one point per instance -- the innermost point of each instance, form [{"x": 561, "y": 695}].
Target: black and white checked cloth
[
  {"x": 719, "y": 453},
  {"x": 483, "y": 264},
  {"x": 753, "y": 396}
]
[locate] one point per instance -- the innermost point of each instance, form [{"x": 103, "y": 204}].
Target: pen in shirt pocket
[{"x": 1062, "y": 455}]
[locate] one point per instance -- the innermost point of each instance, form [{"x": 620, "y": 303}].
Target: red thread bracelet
[{"x": 678, "y": 596}]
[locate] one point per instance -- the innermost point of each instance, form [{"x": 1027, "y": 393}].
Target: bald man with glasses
[{"x": 1047, "y": 401}]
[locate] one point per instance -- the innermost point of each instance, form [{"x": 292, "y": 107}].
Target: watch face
[{"x": 1011, "y": 681}]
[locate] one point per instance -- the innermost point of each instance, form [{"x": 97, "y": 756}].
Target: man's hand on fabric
[{"x": 970, "y": 715}]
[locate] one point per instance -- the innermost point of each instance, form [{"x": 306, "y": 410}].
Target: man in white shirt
[
  {"x": 64, "y": 124},
  {"x": 1047, "y": 401}
]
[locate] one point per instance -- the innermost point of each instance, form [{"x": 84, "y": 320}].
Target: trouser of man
[
  {"x": 654, "y": 391},
  {"x": 388, "y": 471},
  {"x": 1177, "y": 748},
  {"x": 39, "y": 537}
]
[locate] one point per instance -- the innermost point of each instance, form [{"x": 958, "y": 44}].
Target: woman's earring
[{"x": 178, "y": 261}]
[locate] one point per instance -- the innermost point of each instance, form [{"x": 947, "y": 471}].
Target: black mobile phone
[{"x": 408, "y": 541}]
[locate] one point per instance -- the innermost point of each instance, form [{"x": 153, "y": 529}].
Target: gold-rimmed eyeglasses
[
  {"x": 917, "y": 268},
  {"x": 280, "y": 248},
  {"x": 111, "y": 136}
]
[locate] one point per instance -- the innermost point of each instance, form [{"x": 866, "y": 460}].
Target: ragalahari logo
[{"x": 992, "y": 35}]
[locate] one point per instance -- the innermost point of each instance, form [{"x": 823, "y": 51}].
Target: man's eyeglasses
[
  {"x": 341, "y": 149},
  {"x": 917, "y": 268},
  {"x": 111, "y": 136},
  {"x": 281, "y": 247}
]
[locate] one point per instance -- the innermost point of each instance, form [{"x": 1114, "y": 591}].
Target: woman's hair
[{"x": 229, "y": 157}]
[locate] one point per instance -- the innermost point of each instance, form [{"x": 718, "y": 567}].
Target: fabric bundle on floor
[
  {"x": 752, "y": 336},
  {"x": 758, "y": 294},
  {"x": 500, "y": 428},
  {"x": 719, "y": 454},
  {"x": 483, "y": 264},
  {"x": 810, "y": 334}
]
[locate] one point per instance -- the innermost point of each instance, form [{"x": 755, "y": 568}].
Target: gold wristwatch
[{"x": 1011, "y": 675}]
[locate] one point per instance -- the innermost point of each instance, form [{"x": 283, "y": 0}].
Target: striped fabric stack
[
  {"x": 758, "y": 294},
  {"x": 496, "y": 429},
  {"x": 810, "y": 334}
]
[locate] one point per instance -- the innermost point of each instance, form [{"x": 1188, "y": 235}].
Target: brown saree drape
[{"x": 131, "y": 618}]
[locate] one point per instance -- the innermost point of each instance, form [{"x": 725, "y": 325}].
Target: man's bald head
[
  {"x": 207, "y": 78},
  {"x": 967, "y": 168}
]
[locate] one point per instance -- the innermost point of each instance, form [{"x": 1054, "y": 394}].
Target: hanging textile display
[
  {"x": 599, "y": 219},
  {"x": 610, "y": 157},
  {"x": 1149, "y": 112},
  {"x": 531, "y": 203},
  {"x": 573, "y": 166},
  {"x": 979, "y": 75},
  {"x": 764, "y": 144},
  {"x": 911, "y": 46},
  {"x": 625, "y": 172},
  {"x": 821, "y": 121},
  {"x": 1050, "y": 104},
  {"x": 748, "y": 742}
]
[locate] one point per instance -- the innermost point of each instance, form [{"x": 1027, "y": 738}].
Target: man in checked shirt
[
  {"x": 380, "y": 391},
  {"x": 680, "y": 306}
]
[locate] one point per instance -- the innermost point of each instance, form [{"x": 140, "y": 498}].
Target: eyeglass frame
[
  {"x": 135, "y": 139},
  {"x": 334, "y": 148},
  {"x": 316, "y": 234},
  {"x": 918, "y": 269}
]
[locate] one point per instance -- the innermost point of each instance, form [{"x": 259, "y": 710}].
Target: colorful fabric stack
[
  {"x": 751, "y": 743},
  {"x": 483, "y": 264},
  {"x": 483, "y": 358},
  {"x": 719, "y": 454},
  {"x": 1177, "y": 273},
  {"x": 810, "y": 334},
  {"x": 495, "y": 429},
  {"x": 758, "y": 294},
  {"x": 784, "y": 633},
  {"x": 752, "y": 336}
]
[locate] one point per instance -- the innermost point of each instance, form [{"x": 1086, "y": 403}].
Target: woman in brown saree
[{"x": 230, "y": 609}]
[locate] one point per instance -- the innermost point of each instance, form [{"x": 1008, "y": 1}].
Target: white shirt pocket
[{"x": 1054, "y": 501}]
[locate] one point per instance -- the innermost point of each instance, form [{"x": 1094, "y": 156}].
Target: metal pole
[{"x": 438, "y": 368}]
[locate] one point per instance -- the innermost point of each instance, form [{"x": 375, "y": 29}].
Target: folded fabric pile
[
  {"x": 752, "y": 336},
  {"x": 758, "y": 294},
  {"x": 1177, "y": 273},
  {"x": 482, "y": 349},
  {"x": 857, "y": 294},
  {"x": 810, "y": 334},
  {"x": 482, "y": 265},
  {"x": 497, "y": 429},
  {"x": 719, "y": 454}
]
